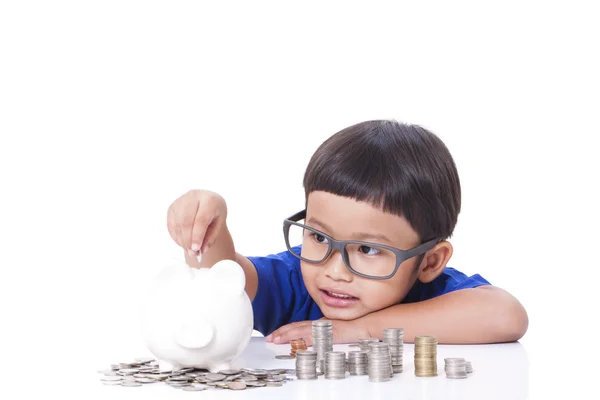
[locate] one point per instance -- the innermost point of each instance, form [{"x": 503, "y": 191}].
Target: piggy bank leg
[
  {"x": 165, "y": 366},
  {"x": 219, "y": 367}
]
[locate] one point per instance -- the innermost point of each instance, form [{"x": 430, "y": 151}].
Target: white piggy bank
[{"x": 198, "y": 317}]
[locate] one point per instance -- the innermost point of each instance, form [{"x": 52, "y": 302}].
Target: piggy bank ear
[{"x": 228, "y": 276}]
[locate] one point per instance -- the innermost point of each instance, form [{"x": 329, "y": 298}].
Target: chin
[{"x": 344, "y": 314}]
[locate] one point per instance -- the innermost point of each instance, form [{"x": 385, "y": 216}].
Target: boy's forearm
[{"x": 484, "y": 314}]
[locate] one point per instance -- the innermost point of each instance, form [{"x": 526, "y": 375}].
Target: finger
[
  {"x": 171, "y": 225},
  {"x": 189, "y": 210},
  {"x": 283, "y": 329},
  {"x": 203, "y": 222},
  {"x": 304, "y": 332},
  {"x": 211, "y": 234}
]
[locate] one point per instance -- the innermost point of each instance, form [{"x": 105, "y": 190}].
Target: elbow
[{"x": 512, "y": 321}]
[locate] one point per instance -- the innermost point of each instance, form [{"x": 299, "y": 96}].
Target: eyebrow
[{"x": 357, "y": 235}]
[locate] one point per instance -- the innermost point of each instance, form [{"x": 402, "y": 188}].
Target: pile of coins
[
  {"x": 425, "y": 355},
  {"x": 364, "y": 343},
  {"x": 306, "y": 364},
  {"x": 455, "y": 367},
  {"x": 380, "y": 362},
  {"x": 394, "y": 337},
  {"x": 297, "y": 344},
  {"x": 145, "y": 371},
  {"x": 358, "y": 362},
  {"x": 335, "y": 365},
  {"x": 322, "y": 336},
  {"x": 469, "y": 367}
]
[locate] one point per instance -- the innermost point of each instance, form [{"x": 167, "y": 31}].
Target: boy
[{"x": 369, "y": 251}]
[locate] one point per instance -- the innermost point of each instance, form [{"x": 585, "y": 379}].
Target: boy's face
[{"x": 339, "y": 293}]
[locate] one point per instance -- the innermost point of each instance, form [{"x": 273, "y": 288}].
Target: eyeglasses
[{"x": 369, "y": 260}]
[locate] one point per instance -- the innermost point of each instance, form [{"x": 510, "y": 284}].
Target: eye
[
  {"x": 370, "y": 251},
  {"x": 319, "y": 238}
]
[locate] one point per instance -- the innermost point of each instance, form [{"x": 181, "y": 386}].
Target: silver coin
[
  {"x": 284, "y": 357},
  {"x": 130, "y": 384},
  {"x": 230, "y": 372},
  {"x": 215, "y": 377},
  {"x": 145, "y": 380},
  {"x": 236, "y": 385},
  {"x": 193, "y": 388},
  {"x": 274, "y": 384}
]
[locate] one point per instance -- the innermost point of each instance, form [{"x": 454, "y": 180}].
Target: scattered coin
[
  {"x": 284, "y": 357},
  {"x": 236, "y": 385},
  {"x": 130, "y": 384}
]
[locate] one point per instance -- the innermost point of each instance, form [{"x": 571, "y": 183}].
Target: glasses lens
[
  {"x": 314, "y": 245},
  {"x": 371, "y": 260}
]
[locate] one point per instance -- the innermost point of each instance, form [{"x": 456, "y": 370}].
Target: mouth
[{"x": 337, "y": 299}]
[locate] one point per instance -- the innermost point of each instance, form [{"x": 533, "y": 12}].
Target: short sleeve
[
  {"x": 281, "y": 296},
  {"x": 448, "y": 281}
]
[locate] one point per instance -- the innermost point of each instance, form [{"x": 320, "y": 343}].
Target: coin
[
  {"x": 425, "y": 357},
  {"x": 230, "y": 372},
  {"x": 236, "y": 385},
  {"x": 455, "y": 368},
  {"x": 284, "y": 357},
  {"x": 130, "y": 384},
  {"x": 215, "y": 377},
  {"x": 379, "y": 362},
  {"x": 394, "y": 337},
  {"x": 335, "y": 365},
  {"x": 193, "y": 388}
]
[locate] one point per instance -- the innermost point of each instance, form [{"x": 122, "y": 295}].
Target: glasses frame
[{"x": 339, "y": 245}]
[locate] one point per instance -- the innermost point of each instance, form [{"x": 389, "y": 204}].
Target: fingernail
[
  {"x": 195, "y": 247},
  {"x": 268, "y": 338},
  {"x": 277, "y": 339},
  {"x": 191, "y": 253}
]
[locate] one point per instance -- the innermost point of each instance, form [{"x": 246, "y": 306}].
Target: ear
[
  {"x": 229, "y": 276},
  {"x": 435, "y": 261}
]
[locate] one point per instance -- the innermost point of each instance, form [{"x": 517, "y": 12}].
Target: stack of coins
[
  {"x": 322, "y": 336},
  {"x": 335, "y": 365},
  {"x": 364, "y": 343},
  {"x": 455, "y": 367},
  {"x": 297, "y": 344},
  {"x": 426, "y": 355},
  {"x": 380, "y": 362},
  {"x": 358, "y": 362},
  {"x": 394, "y": 337},
  {"x": 306, "y": 364},
  {"x": 469, "y": 367}
]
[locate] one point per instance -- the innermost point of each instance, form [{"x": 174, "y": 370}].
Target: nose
[{"x": 335, "y": 268}]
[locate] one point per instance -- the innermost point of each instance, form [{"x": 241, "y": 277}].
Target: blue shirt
[{"x": 282, "y": 297}]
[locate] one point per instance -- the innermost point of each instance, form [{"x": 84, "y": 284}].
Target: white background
[{"x": 109, "y": 110}]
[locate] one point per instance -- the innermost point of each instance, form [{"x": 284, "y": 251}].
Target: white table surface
[{"x": 501, "y": 371}]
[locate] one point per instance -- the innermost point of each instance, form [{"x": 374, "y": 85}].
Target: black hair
[{"x": 403, "y": 169}]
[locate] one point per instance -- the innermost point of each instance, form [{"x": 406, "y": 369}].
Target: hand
[
  {"x": 343, "y": 332},
  {"x": 195, "y": 219}
]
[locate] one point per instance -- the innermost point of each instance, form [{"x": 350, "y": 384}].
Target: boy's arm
[
  {"x": 485, "y": 314},
  {"x": 223, "y": 249}
]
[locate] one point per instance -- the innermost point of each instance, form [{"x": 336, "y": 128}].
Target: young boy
[{"x": 369, "y": 251}]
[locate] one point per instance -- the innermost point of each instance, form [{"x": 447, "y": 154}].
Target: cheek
[
  {"x": 380, "y": 294},
  {"x": 309, "y": 275}
]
